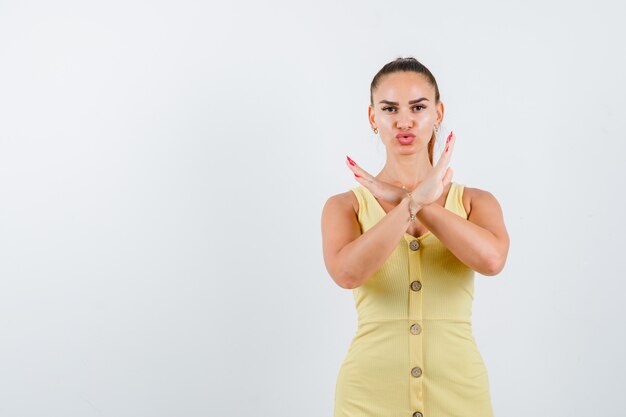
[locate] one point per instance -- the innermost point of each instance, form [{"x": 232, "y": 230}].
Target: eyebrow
[{"x": 395, "y": 103}]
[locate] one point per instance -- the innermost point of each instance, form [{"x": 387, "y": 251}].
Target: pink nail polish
[
  {"x": 357, "y": 175},
  {"x": 446, "y": 149},
  {"x": 449, "y": 137},
  {"x": 350, "y": 160}
]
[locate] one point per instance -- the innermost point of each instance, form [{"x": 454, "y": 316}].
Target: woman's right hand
[
  {"x": 379, "y": 189},
  {"x": 429, "y": 190}
]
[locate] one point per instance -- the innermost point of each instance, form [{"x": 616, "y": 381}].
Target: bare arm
[
  {"x": 481, "y": 242},
  {"x": 351, "y": 257}
]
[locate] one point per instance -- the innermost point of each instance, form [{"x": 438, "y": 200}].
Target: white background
[{"x": 163, "y": 166}]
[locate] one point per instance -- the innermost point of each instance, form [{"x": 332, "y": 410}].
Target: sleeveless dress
[{"x": 414, "y": 354}]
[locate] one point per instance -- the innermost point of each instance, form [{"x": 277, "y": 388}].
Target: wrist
[
  {"x": 406, "y": 205},
  {"x": 417, "y": 206},
  {"x": 412, "y": 206},
  {"x": 414, "y": 202}
]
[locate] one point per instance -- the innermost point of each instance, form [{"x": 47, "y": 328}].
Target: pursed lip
[{"x": 405, "y": 135}]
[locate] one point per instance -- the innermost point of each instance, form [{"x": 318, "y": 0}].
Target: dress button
[
  {"x": 416, "y": 285},
  {"x": 414, "y": 245},
  {"x": 417, "y": 371},
  {"x": 417, "y": 414},
  {"x": 415, "y": 328}
]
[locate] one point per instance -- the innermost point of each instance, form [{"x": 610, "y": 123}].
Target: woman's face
[{"x": 404, "y": 103}]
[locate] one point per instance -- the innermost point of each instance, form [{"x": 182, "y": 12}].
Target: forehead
[{"x": 403, "y": 86}]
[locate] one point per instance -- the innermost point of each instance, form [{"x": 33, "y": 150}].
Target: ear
[
  {"x": 440, "y": 111},
  {"x": 370, "y": 115}
]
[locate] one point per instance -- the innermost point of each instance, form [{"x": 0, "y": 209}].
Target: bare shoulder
[
  {"x": 485, "y": 210},
  {"x": 478, "y": 197},
  {"x": 342, "y": 202},
  {"x": 340, "y": 226},
  {"x": 468, "y": 193}
]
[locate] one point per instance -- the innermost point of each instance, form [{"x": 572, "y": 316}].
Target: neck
[{"x": 407, "y": 170}]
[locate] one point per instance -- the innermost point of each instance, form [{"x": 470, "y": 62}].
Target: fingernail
[
  {"x": 350, "y": 160},
  {"x": 446, "y": 148},
  {"x": 357, "y": 175},
  {"x": 449, "y": 137}
]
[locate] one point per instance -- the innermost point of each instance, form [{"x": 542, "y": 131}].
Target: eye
[{"x": 393, "y": 108}]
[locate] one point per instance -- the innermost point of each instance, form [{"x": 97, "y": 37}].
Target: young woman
[{"x": 407, "y": 242}]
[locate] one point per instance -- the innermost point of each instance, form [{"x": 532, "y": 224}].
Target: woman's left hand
[{"x": 379, "y": 189}]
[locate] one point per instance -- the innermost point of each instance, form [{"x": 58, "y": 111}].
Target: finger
[
  {"x": 358, "y": 170},
  {"x": 446, "y": 153},
  {"x": 361, "y": 179},
  {"x": 442, "y": 157},
  {"x": 447, "y": 177}
]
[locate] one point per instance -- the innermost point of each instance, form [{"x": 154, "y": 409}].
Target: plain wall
[{"x": 163, "y": 167}]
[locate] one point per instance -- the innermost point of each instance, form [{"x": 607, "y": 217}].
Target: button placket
[{"x": 415, "y": 294}]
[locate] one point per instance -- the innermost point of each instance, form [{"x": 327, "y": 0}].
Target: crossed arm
[{"x": 481, "y": 242}]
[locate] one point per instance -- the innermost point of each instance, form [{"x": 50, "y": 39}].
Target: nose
[{"x": 404, "y": 121}]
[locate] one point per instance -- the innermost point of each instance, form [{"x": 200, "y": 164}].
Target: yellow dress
[{"x": 414, "y": 351}]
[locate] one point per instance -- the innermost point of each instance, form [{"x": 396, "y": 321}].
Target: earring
[
  {"x": 436, "y": 128},
  {"x": 375, "y": 130}
]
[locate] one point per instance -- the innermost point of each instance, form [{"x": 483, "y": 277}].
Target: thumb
[{"x": 447, "y": 177}]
